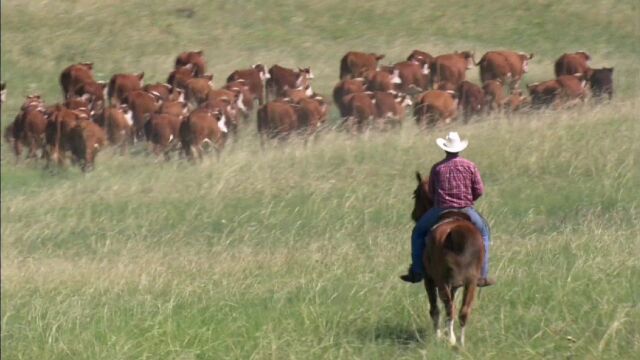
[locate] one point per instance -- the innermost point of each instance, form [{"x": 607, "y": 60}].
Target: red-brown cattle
[
  {"x": 75, "y": 76},
  {"x": 141, "y": 104},
  {"x": 276, "y": 120},
  {"x": 493, "y": 94},
  {"x": 254, "y": 78},
  {"x": 471, "y": 99},
  {"x": 197, "y": 90},
  {"x": 344, "y": 88},
  {"x": 311, "y": 114},
  {"x": 60, "y": 121},
  {"x": 354, "y": 63},
  {"x": 563, "y": 91},
  {"x": 420, "y": 57},
  {"x": 174, "y": 107},
  {"x": 601, "y": 83},
  {"x": 543, "y": 93},
  {"x": 413, "y": 76},
  {"x": 163, "y": 131},
  {"x": 28, "y": 128},
  {"x": 390, "y": 108},
  {"x": 121, "y": 85},
  {"x": 281, "y": 79},
  {"x": 506, "y": 66},
  {"x": 360, "y": 111},
  {"x": 434, "y": 106},
  {"x": 516, "y": 101},
  {"x": 451, "y": 67},
  {"x": 118, "y": 124},
  {"x": 193, "y": 58},
  {"x": 381, "y": 80},
  {"x": 159, "y": 90},
  {"x": 178, "y": 78},
  {"x": 573, "y": 63},
  {"x": 85, "y": 140},
  {"x": 203, "y": 127}
]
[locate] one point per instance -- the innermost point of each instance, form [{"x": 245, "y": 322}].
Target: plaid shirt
[{"x": 455, "y": 183}]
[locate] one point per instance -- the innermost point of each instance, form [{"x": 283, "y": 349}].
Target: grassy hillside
[{"x": 294, "y": 252}]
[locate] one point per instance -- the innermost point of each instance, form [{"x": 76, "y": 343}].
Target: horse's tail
[{"x": 463, "y": 253}]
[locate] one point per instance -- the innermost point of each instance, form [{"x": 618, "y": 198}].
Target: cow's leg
[
  {"x": 434, "y": 311},
  {"x": 446, "y": 295},
  {"x": 467, "y": 301}
]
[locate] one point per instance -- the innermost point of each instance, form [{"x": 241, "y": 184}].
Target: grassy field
[{"x": 294, "y": 252}]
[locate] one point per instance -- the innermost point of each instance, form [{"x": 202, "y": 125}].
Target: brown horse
[{"x": 453, "y": 259}]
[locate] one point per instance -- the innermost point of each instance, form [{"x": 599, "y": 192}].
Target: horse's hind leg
[
  {"x": 446, "y": 295},
  {"x": 434, "y": 311},
  {"x": 467, "y": 301}
]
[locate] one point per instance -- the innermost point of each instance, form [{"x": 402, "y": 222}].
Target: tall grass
[{"x": 294, "y": 252}]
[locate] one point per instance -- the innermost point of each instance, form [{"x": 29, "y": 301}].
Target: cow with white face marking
[
  {"x": 194, "y": 59},
  {"x": 386, "y": 79},
  {"x": 355, "y": 63},
  {"x": 254, "y": 78},
  {"x": 118, "y": 124},
  {"x": 573, "y": 63},
  {"x": 203, "y": 128},
  {"x": 281, "y": 79}
]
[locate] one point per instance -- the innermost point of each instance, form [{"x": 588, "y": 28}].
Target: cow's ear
[
  {"x": 419, "y": 177},
  {"x": 379, "y": 57},
  {"x": 530, "y": 56},
  {"x": 199, "y": 52},
  {"x": 609, "y": 69},
  {"x": 141, "y": 75}
]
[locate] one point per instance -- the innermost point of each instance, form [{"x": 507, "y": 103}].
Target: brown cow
[
  {"x": 506, "y": 66},
  {"x": 276, "y": 120},
  {"x": 413, "y": 76},
  {"x": 420, "y": 57},
  {"x": 311, "y": 114},
  {"x": 118, "y": 123},
  {"x": 493, "y": 95},
  {"x": 451, "y": 67},
  {"x": 121, "y": 85},
  {"x": 360, "y": 111},
  {"x": 254, "y": 78},
  {"x": 516, "y": 101},
  {"x": 381, "y": 80},
  {"x": 85, "y": 139},
  {"x": 28, "y": 128},
  {"x": 141, "y": 104},
  {"x": 564, "y": 90},
  {"x": 355, "y": 63},
  {"x": 174, "y": 107},
  {"x": 471, "y": 99},
  {"x": 390, "y": 108},
  {"x": 193, "y": 58},
  {"x": 75, "y": 76},
  {"x": 178, "y": 78},
  {"x": 60, "y": 121},
  {"x": 601, "y": 83},
  {"x": 240, "y": 87},
  {"x": 203, "y": 127},
  {"x": 159, "y": 90},
  {"x": 573, "y": 63},
  {"x": 197, "y": 89},
  {"x": 163, "y": 131},
  {"x": 433, "y": 106},
  {"x": 344, "y": 88},
  {"x": 281, "y": 78}
]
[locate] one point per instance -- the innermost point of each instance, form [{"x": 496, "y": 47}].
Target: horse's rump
[{"x": 457, "y": 252}]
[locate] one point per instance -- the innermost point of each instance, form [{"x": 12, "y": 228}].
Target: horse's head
[{"x": 422, "y": 200}]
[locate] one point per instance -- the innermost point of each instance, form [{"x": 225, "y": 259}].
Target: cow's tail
[{"x": 482, "y": 60}]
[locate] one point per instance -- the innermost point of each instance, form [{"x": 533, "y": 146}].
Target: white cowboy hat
[{"x": 452, "y": 143}]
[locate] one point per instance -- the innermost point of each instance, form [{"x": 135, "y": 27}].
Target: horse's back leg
[
  {"x": 446, "y": 295},
  {"x": 434, "y": 311},
  {"x": 469, "y": 296}
]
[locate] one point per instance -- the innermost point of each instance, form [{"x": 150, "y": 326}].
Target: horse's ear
[{"x": 419, "y": 177}]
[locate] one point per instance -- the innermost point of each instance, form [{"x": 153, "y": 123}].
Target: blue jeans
[{"x": 423, "y": 227}]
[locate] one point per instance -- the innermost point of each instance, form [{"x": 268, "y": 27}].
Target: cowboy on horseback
[{"x": 454, "y": 184}]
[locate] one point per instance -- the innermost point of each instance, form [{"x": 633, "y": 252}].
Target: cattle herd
[{"x": 189, "y": 115}]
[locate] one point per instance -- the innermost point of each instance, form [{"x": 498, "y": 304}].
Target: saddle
[{"x": 451, "y": 215}]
